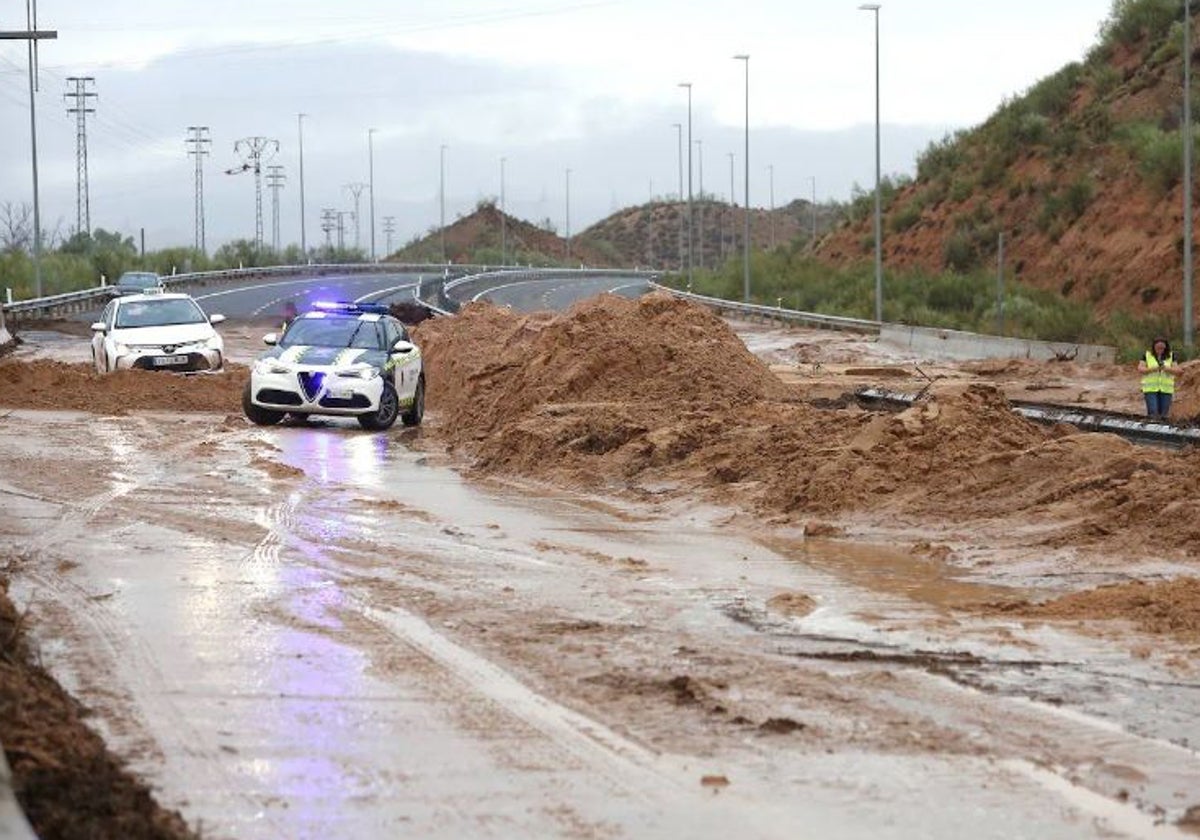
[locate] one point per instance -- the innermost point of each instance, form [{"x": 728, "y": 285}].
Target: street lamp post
[
  {"x": 771, "y": 193},
  {"x": 746, "y": 233},
  {"x": 1188, "y": 236},
  {"x": 700, "y": 221},
  {"x": 371, "y": 186},
  {"x": 874, "y": 7},
  {"x": 813, "y": 178},
  {"x": 442, "y": 198},
  {"x": 303, "y": 237},
  {"x": 503, "y": 220},
  {"x": 679, "y": 137},
  {"x": 732, "y": 205},
  {"x": 690, "y": 246}
]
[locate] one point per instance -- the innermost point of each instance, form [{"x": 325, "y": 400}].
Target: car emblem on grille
[{"x": 311, "y": 383}]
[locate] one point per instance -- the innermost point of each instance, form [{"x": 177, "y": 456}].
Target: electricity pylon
[
  {"x": 275, "y": 180},
  {"x": 255, "y": 150},
  {"x": 197, "y": 141},
  {"x": 79, "y": 98}
]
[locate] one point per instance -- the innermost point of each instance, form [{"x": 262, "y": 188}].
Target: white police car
[
  {"x": 347, "y": 359},
  {"x": 156, "y": 331}
]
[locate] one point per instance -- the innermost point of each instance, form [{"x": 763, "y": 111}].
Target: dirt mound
[
  {"x": 592, "y": 381},
  {"x": 45, "y": 384},
  {"x": 659, "y": 394},
  {"x": 64, "y": 778},
  {"x": 1169, "y": 608}
]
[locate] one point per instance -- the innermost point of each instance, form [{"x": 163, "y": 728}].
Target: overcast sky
[{"x": 590, "y": 86}]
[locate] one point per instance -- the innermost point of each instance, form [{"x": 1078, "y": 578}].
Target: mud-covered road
[{"x": 310, "y": 631}]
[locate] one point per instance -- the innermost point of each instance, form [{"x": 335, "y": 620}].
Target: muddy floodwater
[{"x": 310, "y": 631}]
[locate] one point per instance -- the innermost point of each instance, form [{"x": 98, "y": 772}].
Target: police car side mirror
[
  {"x": 403, "y": 346},
  {"x": 215, "y": 319},
  {"x": 98, "y": 327},
  {"x": 270, "y": 339}
]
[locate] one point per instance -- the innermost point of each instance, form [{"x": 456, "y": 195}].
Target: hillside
[
  {"x": 649, "y": 234},
  {"x": 476, "y": 238},
  {"x": 1081, "y": 173}
]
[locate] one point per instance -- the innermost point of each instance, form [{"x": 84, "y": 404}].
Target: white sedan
[{"x": 157, "y": 332}]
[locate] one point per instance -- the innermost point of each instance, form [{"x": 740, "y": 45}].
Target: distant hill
[
  {"x": 1081, "y": 173},
  {"x": 476, "y": 238},
  {"x": 648, "y": 235}
]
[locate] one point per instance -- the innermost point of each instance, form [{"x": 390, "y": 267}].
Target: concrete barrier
[
  {"x": 13, "y": 825},
  {"x": 965, "y": 346}
]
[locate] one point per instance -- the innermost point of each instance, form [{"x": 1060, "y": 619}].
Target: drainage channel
[{"x": 1129, "y": 426}]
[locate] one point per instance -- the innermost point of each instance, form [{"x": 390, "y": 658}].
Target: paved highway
[{"x": 558, "y": 292}]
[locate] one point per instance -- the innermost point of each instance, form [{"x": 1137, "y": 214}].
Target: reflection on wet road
[{"x": 310, "y": 631}]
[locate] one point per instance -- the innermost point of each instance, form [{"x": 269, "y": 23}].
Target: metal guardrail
[
  {"x": 69, "y": 302},
  {"x": 775, "y": 313}
]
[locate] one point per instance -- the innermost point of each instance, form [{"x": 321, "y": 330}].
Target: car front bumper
[
  {"x": 326, "y": 393},
  {"x": 206, "y": 360}
]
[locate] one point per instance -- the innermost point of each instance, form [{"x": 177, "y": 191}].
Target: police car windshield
[
  {"x": 332, "y": 332},
  {"x": 163, "y": 312}
]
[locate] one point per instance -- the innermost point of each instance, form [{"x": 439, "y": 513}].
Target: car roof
[{"x": 121, "y": 301}]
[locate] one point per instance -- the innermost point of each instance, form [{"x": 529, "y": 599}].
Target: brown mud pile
[
  {"x": 50, "y": 385},
  {"x": 1161, "y": 608},
  {"x": 631, "y": 394},
  {"x": 65, "y": 780}
]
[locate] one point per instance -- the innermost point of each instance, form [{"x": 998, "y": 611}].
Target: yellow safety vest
[{"x": 1159, "y": 379}]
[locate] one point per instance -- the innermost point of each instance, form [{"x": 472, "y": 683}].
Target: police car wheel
[
  {"x": 258, "y": 415},
  {"x": 386, "y": 414},
  {"x": 413, "y": 416}
]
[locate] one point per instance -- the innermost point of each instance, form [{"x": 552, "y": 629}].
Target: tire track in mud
[{"x": 142, "y": 694}]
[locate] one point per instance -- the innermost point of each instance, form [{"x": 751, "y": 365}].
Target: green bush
[
  {"x": 1052, "y": 96},
  {"x": 941, "y": 157},
  {"x": 905, "y": 217},
  {"x": 1131, "y": 20},
  {"x": 1159, "y": 154}
]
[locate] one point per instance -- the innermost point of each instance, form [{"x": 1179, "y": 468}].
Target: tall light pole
[
  {"x": 732, "y": 205},
  {"x": 700, "y": 222},
  {"x": 442, "y": 198},
  {"x": 679, "y": 136},
  {"x": 30, "y": 35},
  {"x": 303, "y": 236},
  {"x": 371, "y": 184},
  {"x": 874, "y": 7},
  {"x": 771, "y": 193},
  {"x": 503, "y": 219},
  {"x": 1188, "y": 315},
  {"x": 813, "y": 178},
  {"x": 690, "y": 246},
  {"x": 746, "y": 233},
  {"x": 568, "y": 214}
]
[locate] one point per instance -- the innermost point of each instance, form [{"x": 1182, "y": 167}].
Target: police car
[{"x": 347, "y": 359}]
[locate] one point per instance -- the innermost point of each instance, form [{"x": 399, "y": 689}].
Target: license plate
[
  {"x": 341, "y": 393},
  {"x": 167, "y": 361}
]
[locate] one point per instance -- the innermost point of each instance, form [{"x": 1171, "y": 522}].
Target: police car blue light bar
[{"x": 350, "y": 307}]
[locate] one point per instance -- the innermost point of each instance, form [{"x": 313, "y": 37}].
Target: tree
[{"x": 16, "y": 227}]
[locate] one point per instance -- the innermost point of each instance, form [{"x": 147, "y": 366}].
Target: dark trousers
[{"x": 1157, "y": 404}]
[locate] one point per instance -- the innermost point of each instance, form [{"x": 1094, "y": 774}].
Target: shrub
[
  {"x": 959, "y": 252},
  {"x": 1077, "y": 197},
  {"x": 1052, "y": 96},
  {"x": 1159, "y": 154},
  {"x": 1131, "y": 20},
  {"x": 940, "y": 157},
  {"x": 905, "y": 218}
]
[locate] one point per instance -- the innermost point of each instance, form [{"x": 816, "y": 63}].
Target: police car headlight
[
  {"x": 265, "y": 366},
  {"x": 359, "y": 373}
]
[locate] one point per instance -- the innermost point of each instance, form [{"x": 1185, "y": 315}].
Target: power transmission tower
[
  {"x": 356, "y": 190},
  {"x": 327, "y": 226},
  {"x": 275, "y": 180},
  {"x": 79, "y": 98},
  {"x": 255, "y": 150},
  {"x": 389, "y": 227},
  {"x": 197, "y": 141},
  {"x": 341, "y": 228}
]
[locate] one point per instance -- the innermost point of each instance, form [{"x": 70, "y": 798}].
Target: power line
[{"x": 197, "y": 140}]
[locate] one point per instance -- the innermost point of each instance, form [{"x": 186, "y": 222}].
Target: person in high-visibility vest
[{"x": 1158, "y": 378}]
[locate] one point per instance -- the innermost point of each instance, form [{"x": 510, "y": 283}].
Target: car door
[
  {"x": 100, "y": 339},
  {"x": 405, "y": 379}
]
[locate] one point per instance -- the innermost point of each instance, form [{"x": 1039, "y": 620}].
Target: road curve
[{"x": 558, "y": 292}]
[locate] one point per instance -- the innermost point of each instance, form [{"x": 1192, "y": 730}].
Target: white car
[
  {"x": 347, "y": 359},
  {"x": 157, "y": 332}
]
